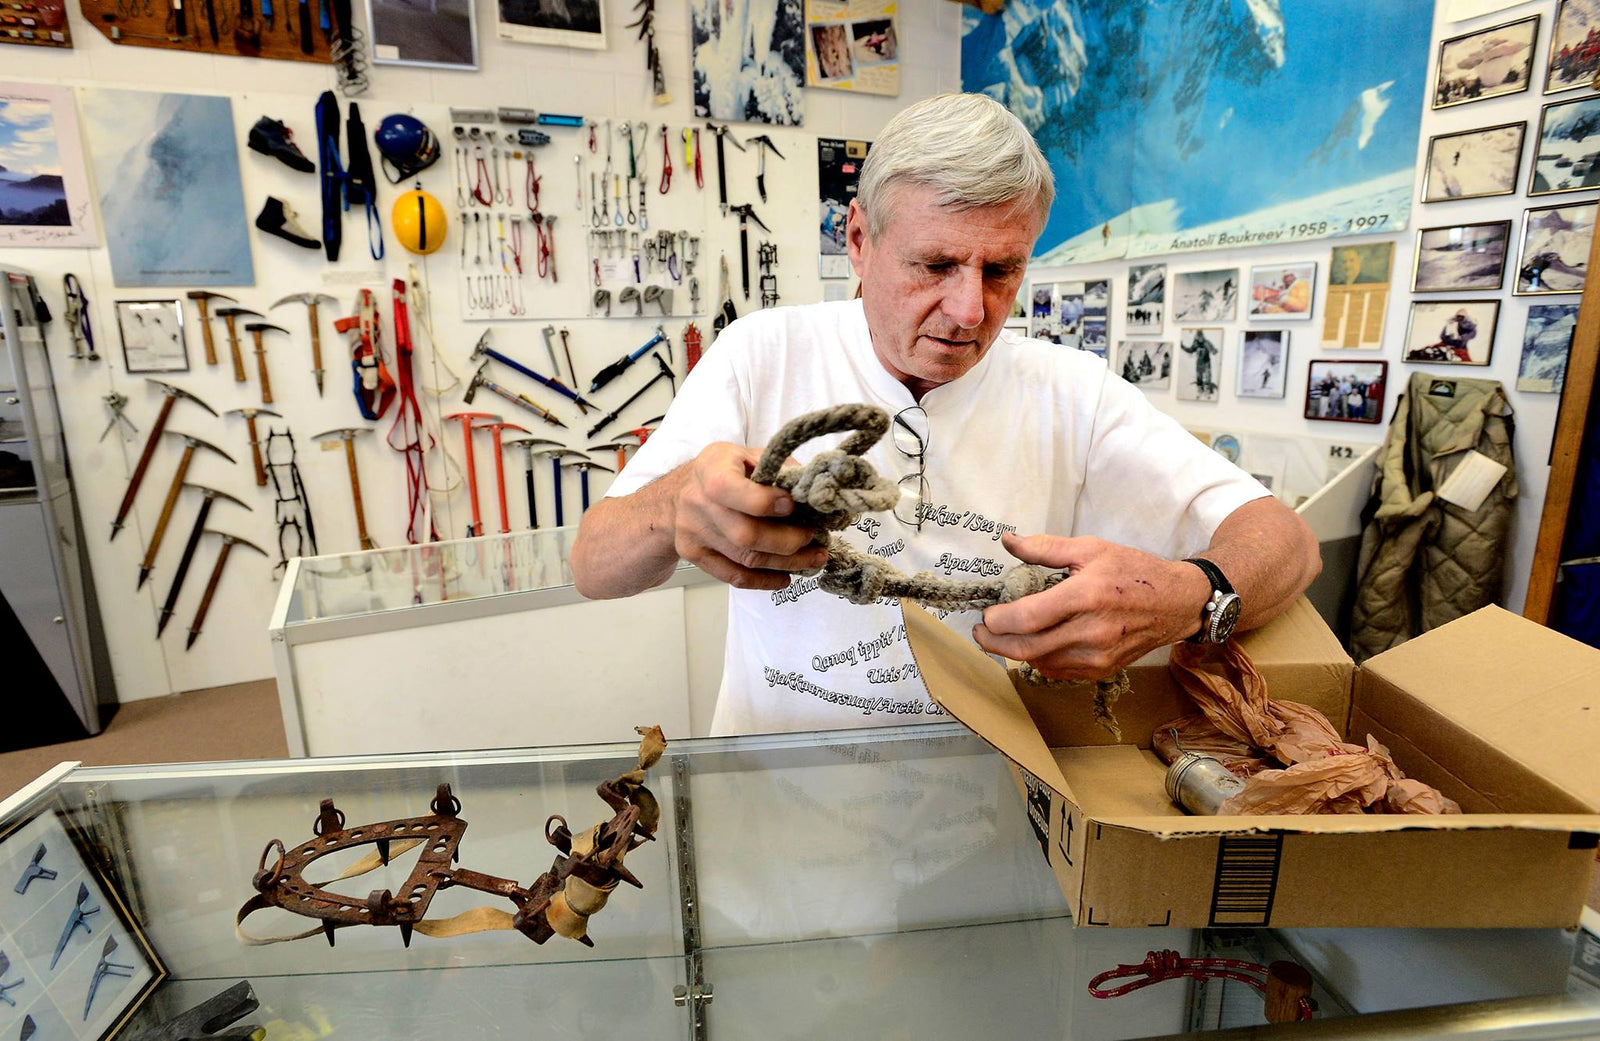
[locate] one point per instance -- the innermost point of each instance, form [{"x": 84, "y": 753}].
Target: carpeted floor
[{"x": 240, "y": 721}]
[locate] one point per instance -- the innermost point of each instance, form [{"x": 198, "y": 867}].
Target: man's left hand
[{"x": 1119, "y": 604}]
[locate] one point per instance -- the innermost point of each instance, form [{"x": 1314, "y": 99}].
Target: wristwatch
[{"x": 1221, "y": 612}]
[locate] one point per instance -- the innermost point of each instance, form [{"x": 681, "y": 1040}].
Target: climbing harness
[
  {"x": 408, "y": 426},
  {"x": 373, "y": 386}
]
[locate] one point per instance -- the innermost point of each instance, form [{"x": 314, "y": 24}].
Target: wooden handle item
[
  {"x": 144, "y": 464},
  {"x": 316, "y": 339},
  {"x": 355, "y": 493},
  {"x": 211, "y": 588},
  {"x": 255, "y": 452},
  {"x": 205, "y": 331},
  {"x": 233, "y": 348},
  {"x": 261, "y": 370},
  {"x": 166, "y": 508}
]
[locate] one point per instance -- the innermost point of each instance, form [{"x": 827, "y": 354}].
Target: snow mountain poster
[
  {"x": 749, "y": 60},
  {"x": 44, "y": 188}
]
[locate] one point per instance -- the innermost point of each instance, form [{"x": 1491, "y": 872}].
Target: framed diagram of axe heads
[
  {"x": 152, "y": 336},
  {"x": 73, "y": 962}
]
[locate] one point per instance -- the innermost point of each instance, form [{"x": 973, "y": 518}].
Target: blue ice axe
[
  {"x": 618, "y": 367},
  {"x": 483, "y": 350}
]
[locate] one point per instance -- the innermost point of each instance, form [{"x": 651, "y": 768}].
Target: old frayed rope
[{"x": 838, "y": 486}]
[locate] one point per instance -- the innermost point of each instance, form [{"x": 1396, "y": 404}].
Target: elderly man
[{"x": 1013, "y": 448}]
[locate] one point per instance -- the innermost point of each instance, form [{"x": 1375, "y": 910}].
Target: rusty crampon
[{"x": 586, "y": 870}]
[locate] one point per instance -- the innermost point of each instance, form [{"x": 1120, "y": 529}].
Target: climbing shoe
[
  {"x": 270, "y": 137},
  {"x": 276, "y": 218}
]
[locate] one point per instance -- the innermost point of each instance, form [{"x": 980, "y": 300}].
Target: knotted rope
[{"x": 838, "y": 486}]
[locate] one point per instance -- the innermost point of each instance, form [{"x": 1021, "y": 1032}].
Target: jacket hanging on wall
[{"x": 1432, "y": 548}]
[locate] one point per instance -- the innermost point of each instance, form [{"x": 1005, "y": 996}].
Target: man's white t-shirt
[{"x": 1035, "y": 439}]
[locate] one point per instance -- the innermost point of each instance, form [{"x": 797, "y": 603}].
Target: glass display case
[
  {"x": 359, "y": 639},
  {"x": 850, "y": 884}
]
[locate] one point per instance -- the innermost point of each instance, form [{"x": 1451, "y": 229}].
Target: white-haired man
[{"x": 1017, "y": 448}]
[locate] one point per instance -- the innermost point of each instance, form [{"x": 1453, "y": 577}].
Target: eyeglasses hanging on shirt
[{"x": 910, "y": 432}]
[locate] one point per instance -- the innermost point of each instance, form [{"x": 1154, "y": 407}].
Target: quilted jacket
[{"x": 1424, "y": 561}]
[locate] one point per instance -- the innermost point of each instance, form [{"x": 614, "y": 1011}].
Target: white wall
[
  {"x": 611, "y": 84},
  {"x": 1535, "y": 413}
]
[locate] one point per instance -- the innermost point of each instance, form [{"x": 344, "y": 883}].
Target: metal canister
[{"x": 1200, "y": 784}]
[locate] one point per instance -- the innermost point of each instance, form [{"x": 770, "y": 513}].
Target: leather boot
[
  {"x": 270, "y": 137},
  {"x": 276, "y": 218}
]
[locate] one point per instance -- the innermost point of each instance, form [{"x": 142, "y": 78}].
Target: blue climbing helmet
[{"x": 406, "y": 147}]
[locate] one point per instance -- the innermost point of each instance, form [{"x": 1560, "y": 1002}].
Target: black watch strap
[{"x": 1214, "y": 573}]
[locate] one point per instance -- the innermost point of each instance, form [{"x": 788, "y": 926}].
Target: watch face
[{"x": 1225, "y": 617}]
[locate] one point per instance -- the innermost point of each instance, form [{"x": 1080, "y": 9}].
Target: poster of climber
[
  {"x": 44, "y": 185},
  {"x": 853, "y": 45},
  {"x": 1156, "y": 118},
  {"x": 749, "y": 60},
  {"x": 1358, "y": 296},
  {"x": 838, "y": 173}
]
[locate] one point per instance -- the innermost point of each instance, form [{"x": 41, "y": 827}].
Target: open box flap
[
  {"x": 974, "y": 689},
  {"x": 1499, "y": 684},
  {"x": 1353, "y": 823}
]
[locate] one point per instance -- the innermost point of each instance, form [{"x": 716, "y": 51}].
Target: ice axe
[
  {"x": 496, "y": 429},
  {"x": 348, "y": 436},
  {"x": 555, "y": 455},
  {"x": 228, "y": 314},
  {"x": 250, "y": 415},
  {"x": 190, "y": 443},
  {"x": 311, "y": 301},
  {"x": 211, "y": 495},
  {"x": 618, "y": 367},
  {"x": 255, "y": 329},
  {"x": 484, "y": 350},
  {"x": 526, "y": 444},
  {"x": 172, "y": 395},
  {"x": 228, "y": 542},
  {"x": 747, "y": 213},
  {"x": 722, "y": 162},
  {"x": 763, "y": 143},
  {"x": 481, "y": 379},
  {"x": 583, "y": 465},
  {"x": 666, "y": 371},
  {"x": 202, "y": 302},
  {"x": 466, "y": 418}
]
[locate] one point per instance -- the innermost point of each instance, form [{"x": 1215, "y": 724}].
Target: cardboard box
[{"x": 1499, "y": 713}]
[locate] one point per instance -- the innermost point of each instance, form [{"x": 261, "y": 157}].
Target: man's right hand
[
  {"x": 708, "y": 512},
  {"x": 732, "y": 528}
]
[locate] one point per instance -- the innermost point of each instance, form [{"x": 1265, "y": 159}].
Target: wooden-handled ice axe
[
  {"x": 190, "y": 443},
  {"x": 583, "y": 465},
  {"x": 172, "y": 395},
  {"x": 618, "y": 367},
  {"x": 311, "y": 300},
  {"x": 228, "y": 315},
  {"x": 496, "y": 430},
  {"x": 228, "y": 542},
  {"x": 348, "y": 436},
  {"x": 666, "y": 372},
  {"x": 481, "y": 379},
  {"x": 202, "y": 302},
  {"x": 483, "y": 350},
  {"x": 476, "y": 528},
  {"x": 211, "y": 495},
  {"x": 747, "y": 213},
  {"x": 255, "y": 329},
  {"x": 555, "y": 455},
  {"x": 527, "y": 445},
  {"x": 250, "y": 415}
]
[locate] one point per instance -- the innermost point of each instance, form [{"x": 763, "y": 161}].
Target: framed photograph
[
  {"x": 1554, "y": 256},
  {"x": 1474, "y": 164},
  {"x": 152, "y": 336},
  {"x": 1093, "y": 336},
  {"x": 1545, "y": 344},
  {"x": 1147, "y": 297},
  {"x": 44, "y": 182},
  {"x": 572, "y": 23},
  {"x": 1199, "y": 364},
  {"x": 1263, "y": 363},
  {"x": 1486, "y": 64},
  {"x": 1096, "y": 297},
  {"x": 1461, "y": 257},
  {"x": 1574, "y": 46},
  {"x": 1567, "y": 156},
  {"x": 1206, "y": 296},
  {"x": 1452, "y": 332},
  {"x": 73, "y": 962},
  {"x": 1284, "y": 292},
  {"x": 1147, "y": 364},
  {"x": 1358, "y": 296},
  {"x": 442, "y": 35},
  {"x": 1346, "y": 391},
  {"x": 749, "y": 60}
]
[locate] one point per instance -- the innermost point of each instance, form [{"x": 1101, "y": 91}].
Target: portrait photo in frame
[
  {"x": 152, "y": 336},
  {"x": 1574, "y": 54},
  {"x": 1283, "y": 292},
  {"x": 576, "y": 23},
  {"x": 1451, "y": 332},
  {"x": 1474, "y": 164},
  {"x": 1263, "y": 363},
  {"x": 1199, "y": 363},
  {"x": 1346, "y": 391},
  {"x": 77, "y": 965},
  {"x": 1461, "y": 257},
  {"x": 1486, "y": 63},
  {"x": 1554, "y": 255}
]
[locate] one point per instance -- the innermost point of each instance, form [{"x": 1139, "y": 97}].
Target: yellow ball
[{"x": 419, "y": 222}]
